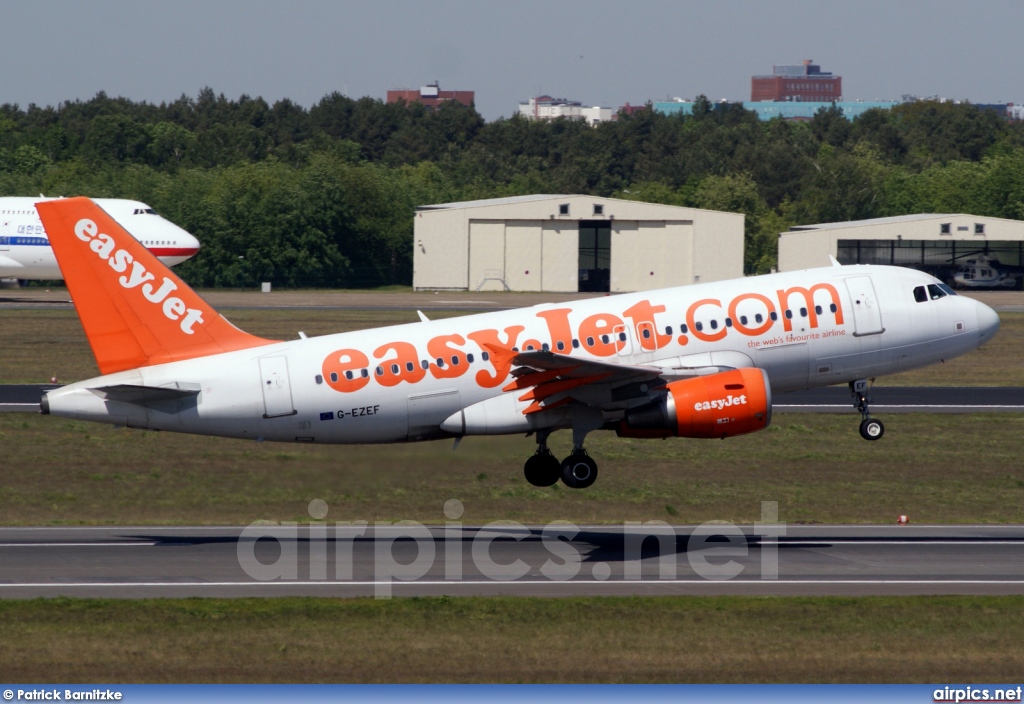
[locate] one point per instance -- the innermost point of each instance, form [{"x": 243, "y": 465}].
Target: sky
[{"x": 599, "y": 52}]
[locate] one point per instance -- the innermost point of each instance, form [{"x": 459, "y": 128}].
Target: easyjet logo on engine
[
  {"x": 138, "y": 277},
  {"x": 720, "y": 403}
]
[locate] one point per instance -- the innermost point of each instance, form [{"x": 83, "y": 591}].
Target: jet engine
[{"x": 716, "y": 406}]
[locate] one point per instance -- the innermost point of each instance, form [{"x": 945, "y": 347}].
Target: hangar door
[
  {"x": 595, "y": 259},
  {"x": 487, "y": 256},
  {"x": 523, "y": 255},
  {"x": 651, "y": 254}
]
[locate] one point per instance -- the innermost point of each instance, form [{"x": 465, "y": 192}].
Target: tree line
[{"x": 325, "y": 196}]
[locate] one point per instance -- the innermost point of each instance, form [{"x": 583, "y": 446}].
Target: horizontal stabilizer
[{"x": 145, "y": 395}]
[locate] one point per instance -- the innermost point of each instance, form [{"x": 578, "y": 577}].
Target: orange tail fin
[{"x": 134, "y": 310}]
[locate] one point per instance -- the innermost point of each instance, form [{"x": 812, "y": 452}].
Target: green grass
[
  {"x": 934, "y": 468},
  {"x": 638, "y": 639}
]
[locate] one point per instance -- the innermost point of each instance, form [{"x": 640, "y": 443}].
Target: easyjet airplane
[
  {"x": 699, "y": 361},
  {"x": 25, "y": 251}
]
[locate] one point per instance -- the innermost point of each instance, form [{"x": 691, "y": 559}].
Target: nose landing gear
[{"x": 870, "y": 428}]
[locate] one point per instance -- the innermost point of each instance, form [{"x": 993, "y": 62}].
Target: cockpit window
[
  {"x": 948, "y": 290},
  {"x": 144, "y": 211},
  {"x": 935, "y": 292},
  {"x": 920, "y": 295}
]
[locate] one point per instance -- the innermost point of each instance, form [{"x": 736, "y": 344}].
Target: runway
[
  {"x": 346, "y": 560},
  {"x": 833, "y": 399},
  {"x": 905, "y": 399}
]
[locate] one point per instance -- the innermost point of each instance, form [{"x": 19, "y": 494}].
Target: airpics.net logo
[
  {"x": 172, "y": 307},
  {"x": 386, "y": 553}
]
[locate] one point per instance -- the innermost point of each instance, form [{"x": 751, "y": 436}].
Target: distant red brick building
[
  {"x": 803, "y": 83},
  {"x": 431, "y": 95}
]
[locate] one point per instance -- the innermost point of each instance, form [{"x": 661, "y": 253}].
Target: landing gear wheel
[
  {"x": 871, "y": 429},
  {"x": 543, "y": 469},
  {"x": 578, "y": 470}
]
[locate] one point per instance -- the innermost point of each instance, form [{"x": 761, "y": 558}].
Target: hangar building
[
  {"x": 943, "y": 245},
  {"x": 572, "y": 243}
]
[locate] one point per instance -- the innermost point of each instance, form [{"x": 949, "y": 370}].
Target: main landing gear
[
  {"x": 577, "y": 471},
  {"x": 870, "y": 428}
]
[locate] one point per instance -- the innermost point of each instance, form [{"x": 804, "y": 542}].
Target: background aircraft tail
[{"x": 134, "y": 310}]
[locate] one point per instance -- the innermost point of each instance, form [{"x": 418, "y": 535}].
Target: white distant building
[
  {"x": 545, "y": 107},
  {"x": 571, "y": 243}
]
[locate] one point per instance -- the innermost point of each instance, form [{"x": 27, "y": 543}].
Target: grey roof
[
  {"x": 492, "y": 201},
  {"x": 877, "y": 221}
]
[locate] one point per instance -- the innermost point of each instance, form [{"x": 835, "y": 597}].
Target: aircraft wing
[{"x": 550, "y": 380}]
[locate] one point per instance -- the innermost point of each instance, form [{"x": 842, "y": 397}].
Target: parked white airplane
[
  {"x": 25, "y": 251},
  {"x": 699, "y": 361}
]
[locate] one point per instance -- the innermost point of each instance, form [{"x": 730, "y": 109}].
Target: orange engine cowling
[{"x": 716, "y": 406}]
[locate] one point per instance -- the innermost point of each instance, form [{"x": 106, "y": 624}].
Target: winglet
[
  {"x": 503, "y": 356},
  {"x": 135, "y": 312},
  {"x": 835, "y": 262}
]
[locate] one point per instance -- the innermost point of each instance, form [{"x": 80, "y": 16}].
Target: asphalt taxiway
[{"x": 339, "y": 560}]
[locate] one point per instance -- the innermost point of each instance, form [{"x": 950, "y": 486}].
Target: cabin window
[
  {"x": 469, "y": 357},
  {"x": 604, "y": 339},
  {"x": 485, "y": 356},
  {"x": 743, "y": 320},
  {"x": 714, "y": 324},
  {"x": 920, "y": 295},
  {"x": 425, "y": 364},
  {"x": 348, "y": 375},
  {"x": 647, "y": 334},
  {"x": 590, "y": 342},
  {"x": 773, "y": 315},
  {"x": 668, "y": 329},
  {"x": 698, "y": 326},
  {"x": 575, "y": 344},
  {"x": 544, "y": 347},
  {"x": 728, "y": 322},
  {"x": 455, "y": 361},
  {"x": 622, "y": 336},
  {"x": 409, "y": 366},
  {"x": 334, "y": 376},
  {"x": 380, "y": 371},
  {"x": 560, "y": 345},
  {"x": 803, "y": 312},
  {"x": 817, "y": 309},
  {"x": 440, "y": 362},
  {"x": 758, "y": 318},
  {"x": 683, "y": 329},
  {"x": 365, "y": 373},
  {"x": 394, "y": 368},
  {"x": 789, "y": 314},
  {"x": 833, "y": 307}
]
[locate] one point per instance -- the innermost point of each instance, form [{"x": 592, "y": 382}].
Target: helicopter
[{"x": 981, "y": 271}]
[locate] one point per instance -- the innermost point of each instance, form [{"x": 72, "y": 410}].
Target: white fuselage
[
  {"x": 805, "y": 329},
  {"x": 25, "y": 251}
]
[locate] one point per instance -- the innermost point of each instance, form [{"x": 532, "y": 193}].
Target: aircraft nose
[{"x": 988, "y": 323}]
